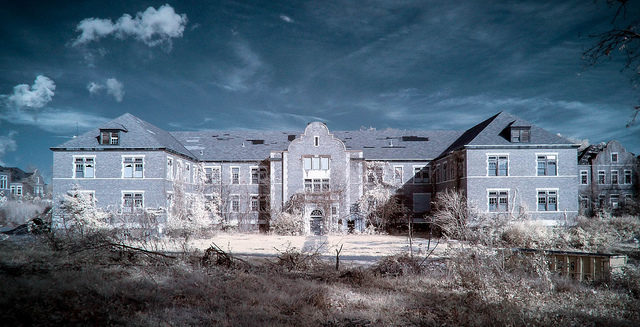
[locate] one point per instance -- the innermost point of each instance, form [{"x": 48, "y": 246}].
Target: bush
[
  {"x": 285, "y": 223},
  {"x": 397, "y": 265}
]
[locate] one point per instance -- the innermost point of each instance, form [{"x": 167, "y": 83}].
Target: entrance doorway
[{"x": 317, "y": 225}]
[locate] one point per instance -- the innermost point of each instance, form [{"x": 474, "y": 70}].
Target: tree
[{"x": 624, "y": 39}]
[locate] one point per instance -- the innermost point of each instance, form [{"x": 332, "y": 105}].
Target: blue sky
[{"x": 277, "y": 65}]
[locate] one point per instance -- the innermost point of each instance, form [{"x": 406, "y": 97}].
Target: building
[
  {"x": 336, "y": 178},
  {"x": 15, "y": 183},
  {"x": 608, "y": 177}
]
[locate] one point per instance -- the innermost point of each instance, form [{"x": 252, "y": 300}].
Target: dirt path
[{"x": 356, "y": 249}]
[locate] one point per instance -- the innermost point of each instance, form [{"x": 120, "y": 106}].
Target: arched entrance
[{"x": 317, "y": 225}]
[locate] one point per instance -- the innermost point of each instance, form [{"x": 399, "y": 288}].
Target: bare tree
[{"x": 624, "y": 39}]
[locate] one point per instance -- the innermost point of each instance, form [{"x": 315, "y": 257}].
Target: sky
[{"x": 67, "y": 67}]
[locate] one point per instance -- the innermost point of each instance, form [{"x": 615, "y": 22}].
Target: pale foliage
[
  {"x": 192, "y": 212},
  {"x": 285, "y": 223},
  {"x": 377, "y": 204},
  {"x": 79, "y": 214}
]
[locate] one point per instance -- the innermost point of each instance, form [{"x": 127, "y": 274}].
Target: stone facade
[{"x": 130, "y": 165}]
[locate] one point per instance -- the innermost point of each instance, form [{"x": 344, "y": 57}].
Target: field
[{"x": 257, "y": 280}]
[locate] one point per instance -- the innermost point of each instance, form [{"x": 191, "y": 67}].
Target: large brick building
[{"x": 505, "y": 166}]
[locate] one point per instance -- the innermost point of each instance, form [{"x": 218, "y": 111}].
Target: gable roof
[
  {"x": 136, "y": 134},
  {"x": 16, "y": 173},
  {"x": 494, "y": 131}
]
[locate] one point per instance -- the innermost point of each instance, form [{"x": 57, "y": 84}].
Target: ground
[{"x": 361, "y": 250}]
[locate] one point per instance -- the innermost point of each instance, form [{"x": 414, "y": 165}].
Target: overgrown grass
[
  {"x": 17, "y": 212},
  {"x": 111, "y": 285}
]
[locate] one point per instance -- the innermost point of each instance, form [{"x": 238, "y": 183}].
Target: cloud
[
  {"x": 111, "y": 85},
  {"x": 7, "y": 143},
  {"x": 286, "y": 18},
  {"x": 153, "y": 27},
  {"x": 54, "y": 120},
  {"x": 243, "y": 75},
  {"x": 34, "y": 96}
]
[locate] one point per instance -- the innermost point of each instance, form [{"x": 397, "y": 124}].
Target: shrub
[
  {"x": 17, "y": 212},
  {"x": 397, "y": 265},
  {"x": 285, "y": 223}
]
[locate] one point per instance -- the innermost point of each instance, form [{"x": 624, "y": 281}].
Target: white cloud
[
  {"x": 111, "y": 85},
  {"x": 153, "y": 27},
  {"x": 54, "y": 120},
  {"x": 94, "y": 88},
  {"x": 115, "y": 88},
  {"x": 286, "y": 18},
  {"x": 34, "y": 96},
  {"x": 245, "y": 75},
  {"x": 7, "y": 143}
]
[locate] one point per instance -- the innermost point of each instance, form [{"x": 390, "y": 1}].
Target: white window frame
[
  {"x": 231, "y": 175},
  {"x": 255, "y": 197},
  {"x": 234, "y": 198},
  {"x": 421, "y": 170},
  {"x": 84, "y": 159},
  {"x": 628, "y": 172},
  {"x": 615, "y": 173},
  {"x": 547, "y": 190},
  {"x": 257, "y": 169},
  {"x": 395, "y": 178},
  {"x": 604, "y": 173},
  {"x": 16, "y": 190},
  {"x": 617, "y": 157},
  {"x": 498, "y": 197},
  {"x": 213, "y": 169},
  {"x": 617, "y": 203},
  {"x": 133, "y": 195},
  {"x": 133, "y": 172},
  {"x": 498, "y": 156},
  {"x": 546, "y": 170},
  {"x": 585, "y": 173},
  {"x": 170, "y": 168},
  {"x": 4, "y": 182}
]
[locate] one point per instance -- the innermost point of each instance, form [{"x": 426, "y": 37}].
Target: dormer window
[
  {"x": 520, "y": 134},
  {"x": 109, "y": 137}
]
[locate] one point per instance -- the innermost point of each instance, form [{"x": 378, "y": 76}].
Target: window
[
  {"x": 109, "y": 137},
  {"x": 169, "y": 168},
  {"x": 375, "y": 174},
  {"x": 316, "y": 163},
  {"x": 420, "y": 174},
  {"x": 547, "y": 200},
  {"x": 498, "y": 165},
  {"x": 584, "y": 202},
  {"x": 601, "y": 177},
  {"x": 316, "y": 185},
  {"x": 397, "y": 174},
  {"x": 444, "y": 172},
  {"x": 255, "y": 175},
  {"x": 263, "y": 178},
  {"x": 235, "y": 203},
  {"x": 211, "y": 175},
  {"x": 547, "y": 165},
  {"x": 84, "y": 167},
  {"x": 520, "y": 134},
  {"x": 38, "y": 190},
  {"x": 499, "y": 201},
  {"x": 16, "y": 190},
  {"x": 255, "y": 204},
  {"x": 132, "y": 167},
  {"x": 3, "y": 181},
  {"x": 584, "y": 177},
  {"x": 615, "y": 201},
  {"x": 627, "y": 177},
  {"x": 614, "y": 177},
  {"x": 334, "y": 210},
  {"x": 235, "y": 175},
  {"x": 421, "y": 202},
  {"x": 132, "y": 201},
  {"x": 187, "y": 172},
  {"x": 316, "y": 141},
  {"x": 614, "y": 157}
]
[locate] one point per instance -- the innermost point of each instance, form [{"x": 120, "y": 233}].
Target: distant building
[
  {"x": 608, "y": 177},
  {"x": 15, "y": 183},
  {"x": 505, "y": 166}
]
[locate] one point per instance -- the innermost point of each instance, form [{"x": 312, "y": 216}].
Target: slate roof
[
  {"x": 493, "y": 131},
  {"x": 252, "y": 145},
  {"x": 136, "y": 134},
  {"x": 16, "y": 173},
  {"x": 587, "y": 154}
]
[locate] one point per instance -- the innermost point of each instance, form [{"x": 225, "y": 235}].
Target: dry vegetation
[{"x": 89, "y": 278}]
